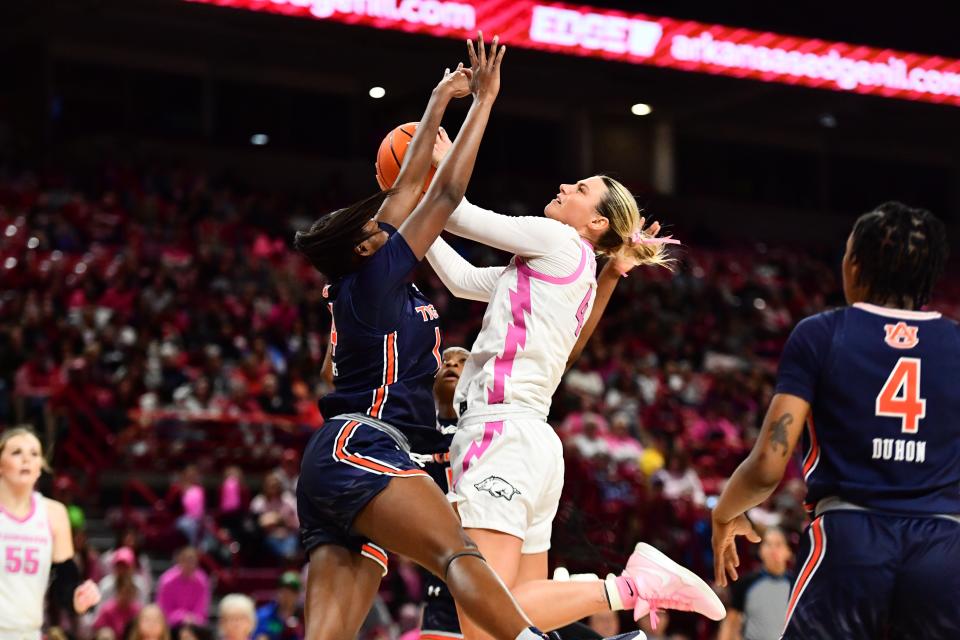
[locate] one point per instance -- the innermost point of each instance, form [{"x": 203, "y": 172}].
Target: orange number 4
[{"x": 900, "y": 395}]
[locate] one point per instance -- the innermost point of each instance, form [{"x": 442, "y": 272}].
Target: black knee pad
[{"x": 459, "y": 554}]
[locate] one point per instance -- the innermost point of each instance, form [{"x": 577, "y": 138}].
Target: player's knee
[
  {"x": 451, "y": 559},
  {"x": 444, "y": 549}
]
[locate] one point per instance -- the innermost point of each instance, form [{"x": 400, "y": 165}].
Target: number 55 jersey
[
  {"x": 884, "y": 389},
  {"x": 26, "y": 545}
]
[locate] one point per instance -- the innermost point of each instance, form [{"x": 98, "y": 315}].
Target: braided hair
[
  {"x": 330, "y": 241},
  {"x": 901, "y": 252}
]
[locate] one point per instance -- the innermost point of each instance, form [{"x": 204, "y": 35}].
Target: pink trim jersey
[
  {"x": 26, "y": 551},
  {"x": 537, "y": 305}
]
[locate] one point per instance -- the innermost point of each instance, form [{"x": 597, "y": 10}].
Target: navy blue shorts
[
  {"x": 345, "y": 465},
  {"x": 440, "y": 621},
  {"x": 875, "y": 576}
]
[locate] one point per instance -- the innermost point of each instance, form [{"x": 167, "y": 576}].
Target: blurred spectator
[
  {"x": 232, "y": 498},
  {"x": 276, "y": 512},
  {"x": 378, "y": 625},
  {"x": 590, "y": 443},
  {"x": 237, "y": 616},
  {"x": 583, "y": 380},
  {"x": 150, "y": 624},
  {"x": 680, "y": 480},
  {"x": 117, "y": 612},
  {"x": 193, "y": 502},
  {"x": 190, "y": 631},
  {"x": 289, "y": 470},
  {"x": 408, "y": 621},
  {"x": 103, "y": 633},
  {"x": 130, "y": 538},
  {"x": 86, "y": 557},
  {"x": 183, "y": 590},
  {"x": 622, "y": 446},
  {"x": 198, "y": 397},
  {"x": 274, "y": 400},
  {"x": 283, "y": 618},
  {"x": 124, "y": 568},
  {"x": 404, "y": 583},
  {"x": 758, "y": 603},
  {"x": 712, "y": 427},
  {"x": 34, "y": 384}
]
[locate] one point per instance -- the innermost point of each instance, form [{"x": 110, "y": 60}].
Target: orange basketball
[{"x": 390, "y": 156}]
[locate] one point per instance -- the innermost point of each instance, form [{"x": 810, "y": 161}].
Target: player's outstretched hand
[
  {"x": 457, "y": 82},
  {"x": 725, "y": 557},
  {"x": 486, "y": 69},
  {"x": 85, "y": 596}
]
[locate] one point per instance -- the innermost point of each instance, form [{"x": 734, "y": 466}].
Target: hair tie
[{"x": 639, "y": 238}]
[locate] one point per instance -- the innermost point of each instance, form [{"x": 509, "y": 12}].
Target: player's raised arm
[
  {"x": 460, "y": 277},
  {"x": 755, "y": 480},
  {"x": 417, "y": 161},
  {"x": 450, "y": 182}
]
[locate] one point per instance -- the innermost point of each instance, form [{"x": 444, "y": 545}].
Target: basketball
[{"x": 390, "y": 156}]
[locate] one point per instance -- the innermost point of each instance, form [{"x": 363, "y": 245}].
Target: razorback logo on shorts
[{"x": 497, "y": 487}]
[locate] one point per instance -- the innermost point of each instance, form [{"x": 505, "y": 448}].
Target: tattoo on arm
[{"x": 778, "y": 433}]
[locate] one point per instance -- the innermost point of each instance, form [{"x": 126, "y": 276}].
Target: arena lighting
[
  {"x": 641, "y": 109},
  {"x": 259, "y": 139},
  {"x": 377, "y": 92},
  {"x": 642, "y": 39}
]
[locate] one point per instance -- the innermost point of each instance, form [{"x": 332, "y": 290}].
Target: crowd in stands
[{"x": 161, "y": 318}]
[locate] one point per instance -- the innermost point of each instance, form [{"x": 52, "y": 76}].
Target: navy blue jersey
[
  {"x": 884, "y": 431},
  {"x": 386, "y": 344}
]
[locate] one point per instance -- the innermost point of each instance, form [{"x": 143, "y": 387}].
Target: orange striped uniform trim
[
  {"x": 436, "y": 353},
  {"x": 366, "y": 463},
  {"x": 813, "y": 456},
  {"x": 375, "y": 553},
  {"x": 818, "y": 548},
  {"x": 389, "y": 375}
]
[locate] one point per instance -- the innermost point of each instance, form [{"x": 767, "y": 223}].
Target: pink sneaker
[{"x": 663, "y": 584}]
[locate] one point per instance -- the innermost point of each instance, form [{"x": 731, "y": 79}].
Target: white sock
[
  {"x": 613, "y": 594},
  {"x": 560, "y": 574},
  {"x": 531, "y": 633}
]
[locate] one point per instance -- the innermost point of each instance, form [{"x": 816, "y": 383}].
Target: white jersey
[
  {"x": 537, "y": 306},
  {"x": 26, "y": 551}
]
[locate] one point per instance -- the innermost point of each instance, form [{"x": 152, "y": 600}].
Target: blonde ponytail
[{"x": 622, "y": 239}]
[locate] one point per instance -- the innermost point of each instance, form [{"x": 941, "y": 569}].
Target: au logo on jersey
[{"x": 901, "y": 335}]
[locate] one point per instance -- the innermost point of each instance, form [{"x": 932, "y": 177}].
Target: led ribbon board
[{"x": 641, "y": 39}]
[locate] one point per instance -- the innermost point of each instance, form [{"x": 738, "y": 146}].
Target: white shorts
[{"x": 508, "y": 476}]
